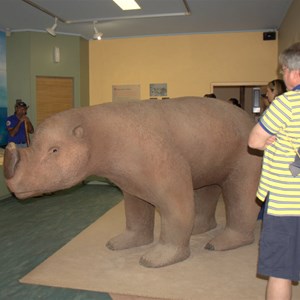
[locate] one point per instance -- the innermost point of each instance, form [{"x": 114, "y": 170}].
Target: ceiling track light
[
  {"x": 8, "y": 32},
  {"x": 97, "y": 35},
  {"x": 51, "y": 30}
]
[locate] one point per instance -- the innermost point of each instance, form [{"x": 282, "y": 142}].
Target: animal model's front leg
[
  {"x": 139, "y": 225},
  {"x": 176, "y": 207}
]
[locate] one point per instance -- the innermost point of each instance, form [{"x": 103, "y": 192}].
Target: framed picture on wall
[{"x": 158, "y": 89}]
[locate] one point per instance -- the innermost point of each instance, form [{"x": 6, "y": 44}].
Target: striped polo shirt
[{"x": 282, "y": 119}]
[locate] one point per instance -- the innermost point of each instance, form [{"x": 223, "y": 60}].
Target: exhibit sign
[{"x": 126, "y": 93}]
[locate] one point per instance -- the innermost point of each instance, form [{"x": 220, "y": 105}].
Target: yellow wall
[
  {"x": 289, "y": 31},
  {"x": 187, "y": 63}
]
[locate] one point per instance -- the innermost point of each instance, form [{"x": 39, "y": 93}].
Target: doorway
[{"x": 241, "y": 91}]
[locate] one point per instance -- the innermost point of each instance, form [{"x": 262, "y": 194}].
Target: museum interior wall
[
  {"x": 289, "y": 31},
  {"x": 187, "y": 63},
  {"x": 31, "y": 54}
]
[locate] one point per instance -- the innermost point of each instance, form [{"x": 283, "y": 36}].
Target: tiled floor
[{"x": 32, "y": 230}]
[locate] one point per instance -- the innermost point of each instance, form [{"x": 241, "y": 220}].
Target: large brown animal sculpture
[{"x": 174, "y": 155}]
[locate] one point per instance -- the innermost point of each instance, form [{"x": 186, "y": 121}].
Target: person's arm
[
  {"x": 14, "y": 130},
  {"x": 259, "y": 138}
]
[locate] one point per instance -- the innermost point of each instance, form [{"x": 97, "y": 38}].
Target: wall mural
[{"x": 3, "y": 90}]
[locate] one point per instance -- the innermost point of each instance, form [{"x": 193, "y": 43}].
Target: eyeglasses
[{"x": 283, "y": 69}]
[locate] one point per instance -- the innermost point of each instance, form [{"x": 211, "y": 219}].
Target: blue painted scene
[{"x": 3, "y": 91}]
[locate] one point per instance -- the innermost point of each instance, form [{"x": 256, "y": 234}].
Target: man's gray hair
[{"x": 290, "y": 57}]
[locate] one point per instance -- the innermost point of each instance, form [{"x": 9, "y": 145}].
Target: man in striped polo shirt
[{"x": 278, "y": 134}]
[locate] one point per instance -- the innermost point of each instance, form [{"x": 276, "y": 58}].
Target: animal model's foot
[
  {"x": 229, "y": 239},
  {"x": 164, "y": 255},
  {"x": 129, "y": 239},
  {"x": 201, "y": 227}
]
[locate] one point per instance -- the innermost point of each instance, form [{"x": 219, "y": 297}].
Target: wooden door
[{"x": 53, "y": 95}]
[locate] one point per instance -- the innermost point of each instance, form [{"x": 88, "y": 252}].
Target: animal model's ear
[{"x": 78, "y": 131}]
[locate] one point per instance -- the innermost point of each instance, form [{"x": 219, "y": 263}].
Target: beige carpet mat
[{"x": 85, "y": 263}]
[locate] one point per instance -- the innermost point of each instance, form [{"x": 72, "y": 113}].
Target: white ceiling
[{"x": 157, "y": 17}]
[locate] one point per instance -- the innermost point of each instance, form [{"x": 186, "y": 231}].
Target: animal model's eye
[{"x": 53, "y": 150}]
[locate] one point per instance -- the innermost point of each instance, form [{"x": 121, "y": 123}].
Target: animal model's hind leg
[
  {"x": 139, "y": 224},
  {"x": 206, "y": 200},
  {"x": 241, "y": 212}
]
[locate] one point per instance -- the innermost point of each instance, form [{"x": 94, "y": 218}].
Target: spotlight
[
  {"x": 97, "y": 35},
  {"x": 51, "y": 30},
  {"x": 7, "y": 32}
]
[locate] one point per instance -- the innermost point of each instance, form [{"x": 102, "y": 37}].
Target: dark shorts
[{"x": 279, "y": 248}]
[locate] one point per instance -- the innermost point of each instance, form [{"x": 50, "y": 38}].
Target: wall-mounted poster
[
  {"x": 3, "y": 90},
  {"x": 125, "y": 93},
  {"x": 158, "y": 89}
]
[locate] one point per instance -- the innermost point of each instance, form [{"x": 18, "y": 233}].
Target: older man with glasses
[{"x": 278, "y": 134}]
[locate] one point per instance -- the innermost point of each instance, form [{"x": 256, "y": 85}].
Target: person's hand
[
  {"x": 270, "y": 140},
  {"x": 24, "y": 118}
]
